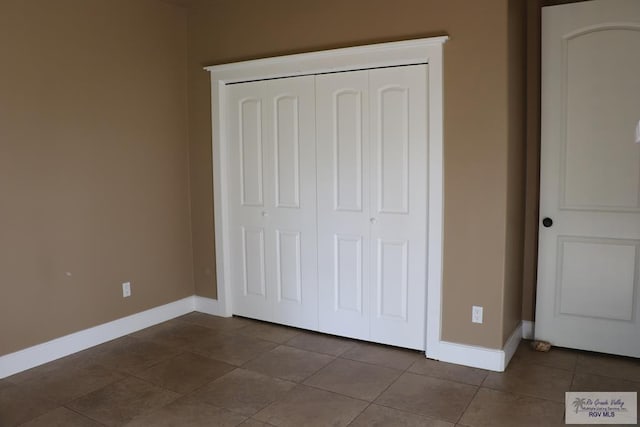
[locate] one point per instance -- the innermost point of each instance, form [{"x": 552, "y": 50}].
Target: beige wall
[
  {"x": 483, "y": 128},
  {"x": 532, "y": 196},
  {"x": 100, "y": 98},
  {"x": 512, "y": 311},
  {"x": 93, "y": 164}
]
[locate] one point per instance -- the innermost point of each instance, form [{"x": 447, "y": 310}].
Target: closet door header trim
[{"x": 380, "y": 55}]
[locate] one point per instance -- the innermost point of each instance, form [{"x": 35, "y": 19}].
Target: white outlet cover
[
  {"x": 126, "y": 289},
  {"x": 476, "y": 314}
]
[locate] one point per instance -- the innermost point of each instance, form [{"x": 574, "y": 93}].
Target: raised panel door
[
  {"x": 272, "y": 200},
  {"x": 342, "y": 129},
  {"x": 589, "y": 256},
  {"x": 398, "y": 201}
]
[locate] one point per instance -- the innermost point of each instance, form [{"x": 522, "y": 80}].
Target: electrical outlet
[
  {"x": 126, "y": 289},
  {"x": 476, "y": 314}
]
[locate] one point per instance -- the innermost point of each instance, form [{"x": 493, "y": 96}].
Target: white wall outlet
[
  {"x": 476, "y": 314},
  {"x": 126, "y": 289}
]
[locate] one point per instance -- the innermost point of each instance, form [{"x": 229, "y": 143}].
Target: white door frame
[{"x": 419, "y": 51}]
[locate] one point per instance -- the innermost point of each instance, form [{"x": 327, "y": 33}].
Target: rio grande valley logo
[{"x": 601, "y": 407}]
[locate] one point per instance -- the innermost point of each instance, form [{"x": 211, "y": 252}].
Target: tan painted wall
[
  {"x": 93, "y": 164},
  {"x": 93, "y": 154},
  {"x": 512, "y": 311},
  {"x": 532, "y": 196},
  {"x": 482, "y": 151}
]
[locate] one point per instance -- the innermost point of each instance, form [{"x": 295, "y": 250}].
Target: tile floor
[{"x": 200, "y": 370}]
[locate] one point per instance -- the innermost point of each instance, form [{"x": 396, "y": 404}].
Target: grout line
[
  {"x": 521, "y": 394},
  {"x": 402, "y": 372},
  {"x": 335, "y": 393},
  {"x": 65, "y": 405},
  {"x": 82, "y": 415},
  {"x": 573, "y": 378},
  {"x": 360, "y": 413},
  {"x": 468, "y": 404},
  {"x": 199, "y": 388}
]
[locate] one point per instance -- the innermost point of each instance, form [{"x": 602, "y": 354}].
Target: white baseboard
[
  {"x": 209, "y": 306},
  {"x": 480, "y": 357},
  {"x": 511, "y": 345},
  {"x": 60, "y": 347},
  {"x": 469, "y": 355},
  {"x": 462, "y": 354},
  {"x": 527, "y": 329},
  {"x": 51, "y": 350}
]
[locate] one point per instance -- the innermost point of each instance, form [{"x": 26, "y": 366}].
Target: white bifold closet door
[
  {"x": 372, "y": 204},
  {"x": 327, "y": 202},
  {"x": 272, "y": 200}
]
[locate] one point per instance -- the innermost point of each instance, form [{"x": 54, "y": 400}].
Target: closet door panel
[
  {"x": 342, "y": 129},
  {"x": 248, "y": 182},
  {"x": 286, "y": 156},
  {"x": 398, "y": 153},
  {"x": 291, "y": 209},
  {"x": 250, "y": 140},
  {"x": 272, "y": 200}
]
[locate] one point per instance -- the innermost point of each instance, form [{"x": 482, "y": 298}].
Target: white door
[
  {"x": 372, "y": 210},
  {"x": 272, "y": 200},
  {"x": 398, "y": 205},
  {"x": 343, "y": 203},
  {"x": 589, "y": 243}
]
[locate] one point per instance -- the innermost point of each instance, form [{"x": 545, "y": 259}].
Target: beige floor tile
[
  {"x": 269, "y": 332},
  {"x": 97, "y": 382},
  {"x": 62, "y": 417},
  {"x": 117, "y": 403},
  {"x": 254, "y": 423},
  {"x": 131, "y": 355},
  {"x": 557, "y": 357},
  {"x": 185, "y": 372},
  {"x": 68, "y": 383},
  {"x": 211, "y": 341},
  {"x": 74, "y": 361},
  {"x": 355, "y": 379},
  {"x": 531, "y": 380},
  {"x": 188, "y": 412},
  {"x": 174, "y": 333},
  {"x": 609, "y": 366},
  {"x": 431, "y": 397},
  {"x": 217, "y": 323},
  {"x": 491, "y": 408},
  {"x": 19, "y": 404},
  {"x": 391, "y": 357},
  {"x": 321, "y": 343},
  {"x": 381, "y": 416},
  {"x": 233, "y": 349},
  {"x": 289, "y": 363},
  {"x": 448, "y": 371},
  {"x": 589, "y": 382},
  {"x": 310, "y": 407},
  {"x": 242, "y": 391}
]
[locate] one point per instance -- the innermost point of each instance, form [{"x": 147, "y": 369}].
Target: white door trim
[{"x": 428, "y": 50}]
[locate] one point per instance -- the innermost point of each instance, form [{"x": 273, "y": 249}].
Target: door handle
[
  {"x": 547, "y": 222},
  {"x": 265, "y": 213}
]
